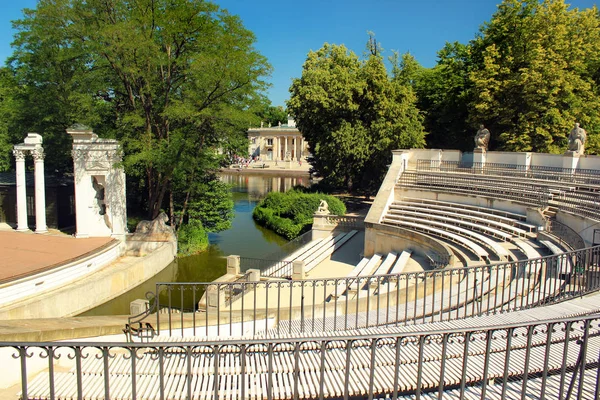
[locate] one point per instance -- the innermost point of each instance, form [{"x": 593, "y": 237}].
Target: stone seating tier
[
  {"x": 494, "y": 248},
  {"x": 465, "y": 243},
  {"x": 490, "y": 213},
  {"x": 579, "y": 201},
  {"x": 456, "y": 214}
]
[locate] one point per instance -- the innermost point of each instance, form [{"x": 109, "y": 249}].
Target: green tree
[
  {"x": 271, "y": 115},
  {"x": 444, "y": 93},
  {"x": 173, "y": 80},
  {"x": 352, "y": 114},
  {"x": 536, "y": 76}
]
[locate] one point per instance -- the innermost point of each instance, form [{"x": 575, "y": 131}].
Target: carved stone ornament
[
  {"x": 19, "y": 155},
  {"x": 38, "y": 154},
  {"x": 78, "y": 154},
  {"x": 155, "y": 230},
  {"x": 79, "y": 127}
]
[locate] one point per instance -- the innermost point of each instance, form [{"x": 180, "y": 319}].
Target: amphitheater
[{"x": 507, "y": 306}]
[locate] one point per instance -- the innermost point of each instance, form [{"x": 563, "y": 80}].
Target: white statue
[{"x": 323, "y": 208}]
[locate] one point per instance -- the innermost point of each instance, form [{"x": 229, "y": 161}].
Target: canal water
[{"x": 245, "y": 238}]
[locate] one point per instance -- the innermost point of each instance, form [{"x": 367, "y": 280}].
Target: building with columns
[{"x": 277, "y": 143}]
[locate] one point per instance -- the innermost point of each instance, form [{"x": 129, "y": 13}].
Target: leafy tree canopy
[
  {"x": 353, "y": 113},
  {"x": 173, "y": 80},
  {"x": 535, "y": 75}
]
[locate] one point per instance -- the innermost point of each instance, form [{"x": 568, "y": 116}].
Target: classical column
[
  {"x": 40, "y": 191},
  {"x": 278, "y": 148},
  {"x": 21, "y": 191},
  {"x": 286, "y": 150}
]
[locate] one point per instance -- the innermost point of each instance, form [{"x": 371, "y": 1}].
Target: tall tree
[
  {"x": 171, "y": 79},
  {"x": 444, "y": 93},
  {"x": 536, "y": 77},
  {"x": 352, "y": 114}
]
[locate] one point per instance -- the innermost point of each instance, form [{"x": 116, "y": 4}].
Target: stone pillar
[
  {"x": 233, "y": 265},
  {"x": 278, "y": 148},
  {"x": 40, "y": 191},
  {"x": 285, "y": 151},
  {"x": 21, "y": 191},
  {"x": 479, "y": 158},
  {"x": 298, "y": 270},
  {"x": 570, "y": 161},
  {"x": 253, "y": 275}
]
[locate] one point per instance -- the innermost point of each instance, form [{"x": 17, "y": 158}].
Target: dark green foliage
[
  {"x": 444, "y": 93},
  {"x": 192, "y": 238},
  {"x": 291, "y": 214}
]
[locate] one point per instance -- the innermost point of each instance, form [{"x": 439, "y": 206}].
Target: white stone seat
[
  {"x": 401, "y": 263},
  {"x": 495, "y": 247},
  {"x": 387, "y": 264},
  {"x": 479, "y": 251},
  {"x": 327, "y": 250},
  {"x": 366, "y": 271},
  {"x": 491, "y": 213},
  {"x": 476, "y": 217},
  {"x": 342, "y": 284},
  {"x": 450, "y": 220}
]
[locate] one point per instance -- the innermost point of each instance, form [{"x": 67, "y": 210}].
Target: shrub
[
  {"x": 290, "y": 214},
  {"x": 192, "y": 238}
]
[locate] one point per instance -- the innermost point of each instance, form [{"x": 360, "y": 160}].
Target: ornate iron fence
[
  {"x": 557, "y": 358},
  {"x": 318, "y": 305}
]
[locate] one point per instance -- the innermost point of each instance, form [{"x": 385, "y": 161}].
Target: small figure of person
[
  {"x": 577, "y": 138},
  {"x": 482, "y": 138}
]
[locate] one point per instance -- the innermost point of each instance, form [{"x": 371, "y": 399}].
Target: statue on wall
[
  {"x": 482, "y": 138},
  {"x": 155, "y": 230},
  {"x": 577, "y": 138},
  {"x": 99, "y": 196},
  {"x": 323, "y": 208}
]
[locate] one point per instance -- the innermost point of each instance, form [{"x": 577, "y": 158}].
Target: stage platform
[{"x": 26, "y": 253}]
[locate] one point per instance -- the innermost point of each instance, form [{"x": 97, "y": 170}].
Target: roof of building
[{"x": 285, "y": 127}]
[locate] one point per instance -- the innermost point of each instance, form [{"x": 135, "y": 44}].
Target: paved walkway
[{"x": 27, "y": 253}]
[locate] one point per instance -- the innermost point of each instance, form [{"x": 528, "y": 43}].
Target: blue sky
[{"x": 287, "y": 30}]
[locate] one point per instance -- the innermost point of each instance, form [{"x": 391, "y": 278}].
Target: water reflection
[{"x": 244, "y": 238}]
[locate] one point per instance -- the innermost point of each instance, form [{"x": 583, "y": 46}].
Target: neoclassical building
[{"x": 277, "y": 143}]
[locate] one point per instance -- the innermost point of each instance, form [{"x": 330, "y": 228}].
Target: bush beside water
[
  {"x": 290, "y": 214},
  {"x": 192, "y": 238}
]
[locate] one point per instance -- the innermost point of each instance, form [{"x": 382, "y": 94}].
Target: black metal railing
[
  {"x": 548, "y": 359},
  {"x": 267, "y": 267},
  {"x": 566, "y": 234},
  {"x": 318, "y": 305},
  {"x": 573, "y": 175}
]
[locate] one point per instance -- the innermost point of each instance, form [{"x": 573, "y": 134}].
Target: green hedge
[{"x": 290, "y": 214}]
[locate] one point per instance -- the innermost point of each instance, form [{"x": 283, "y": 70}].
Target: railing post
[
  {"x": 298, "y": 270},
  {"x": 233, "y": 265}
]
